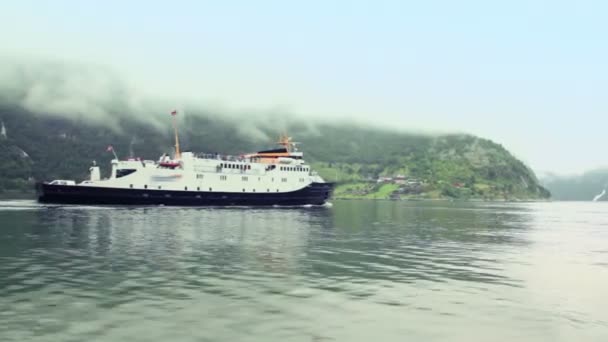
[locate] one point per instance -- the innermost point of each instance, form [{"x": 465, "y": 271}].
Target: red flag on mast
[
  {"x": 110, "y": 148},
  {"x": 174, "y": 112}
]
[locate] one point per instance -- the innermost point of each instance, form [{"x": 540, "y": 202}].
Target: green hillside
[{"x": 456, "y": 166}]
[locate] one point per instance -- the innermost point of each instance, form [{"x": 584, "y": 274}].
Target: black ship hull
[{"x": 315, "y": 194}]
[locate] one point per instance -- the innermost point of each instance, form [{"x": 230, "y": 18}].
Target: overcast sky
[{"x": 532, "y": 75}]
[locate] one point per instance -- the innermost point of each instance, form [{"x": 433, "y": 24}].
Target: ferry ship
[{"x": 266, "y": 178}]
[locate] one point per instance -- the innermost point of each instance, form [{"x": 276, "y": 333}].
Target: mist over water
[{"x": 356, "y": 271}]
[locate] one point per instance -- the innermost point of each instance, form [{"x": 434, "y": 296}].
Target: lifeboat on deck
[{"x": 171, "y": 164}]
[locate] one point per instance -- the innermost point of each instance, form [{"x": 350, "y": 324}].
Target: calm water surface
[{"x": 357, "y": 271}]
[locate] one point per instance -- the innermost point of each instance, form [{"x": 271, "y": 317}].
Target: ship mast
[
  {"x": 285, "y": 141},
  {"x": 177, "y": 152}
]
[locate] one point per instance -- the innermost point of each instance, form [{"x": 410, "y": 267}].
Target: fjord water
[{"x": 356, "y": 271}]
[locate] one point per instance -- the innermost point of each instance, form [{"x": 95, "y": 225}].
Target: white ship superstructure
[{"x": 278, "y": 176}]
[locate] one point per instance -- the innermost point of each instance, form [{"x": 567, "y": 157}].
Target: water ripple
[{"x": 356, "y": 271}]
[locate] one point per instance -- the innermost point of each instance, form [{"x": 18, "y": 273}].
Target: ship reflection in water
[{"x": 358, "y": 271}]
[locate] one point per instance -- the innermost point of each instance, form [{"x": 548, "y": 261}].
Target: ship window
[
  {"x": 253, "y": 190},
  {"x": 210, "y": 189},
  {"x": 124, "y": 172},
  {"x": 259, "y": 179},
  {"x": 146, "y": 186},
  {"x": 267, "y": 190},
  {"x": 186, "y": 188},
  {"x": 245, "y": 178},
  {"x": 223, "y": 177},
  {"x": 283, "y": 179},
  {"x": 159, "y": 187},
  {"x": 199, "y": 176},
  {"x": 277, "y": 190},
  {"x": 198, "y": 188},
  {"x": 272, "y": 180},
  {"x": 243, "y": 190},
  {"x": 248, "y": 167},
  {"x": 131, "y": 186}
]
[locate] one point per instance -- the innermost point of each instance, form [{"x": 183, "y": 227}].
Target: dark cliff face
[{"x": 62, "y": 148}]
